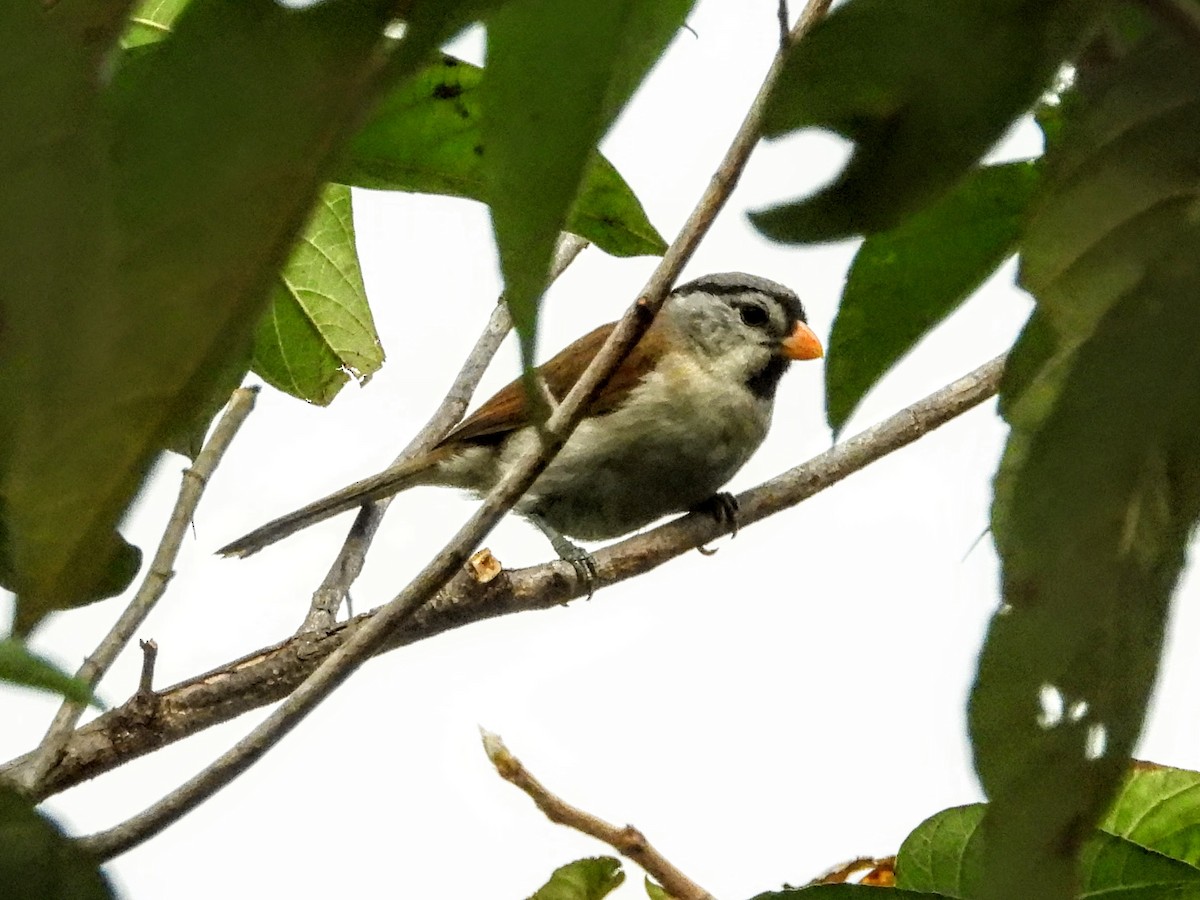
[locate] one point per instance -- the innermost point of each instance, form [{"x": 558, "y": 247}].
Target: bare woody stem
[
  {"x": 327, "y": 599},
  {"x": 195, "y": 479},
  {"x": 627, "y": 841},
  {"x": 272, "y": 673},
  {"x": 149, "y": 658}
]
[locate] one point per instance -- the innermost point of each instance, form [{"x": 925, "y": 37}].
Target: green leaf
[
  {"x": 1159, "y": 809},
  {"x": 845, "y": 892},
  {"x": 319, "y": 331},
  {"x": 426, "y": 137},
  {"x": 39, "y": 862},
  {"x": 121, "y": 565},
  {"x": 584, "y": 879},
  {"x": 654, "y": 891},
  {"x": 1100, "y": 484},
  {"x": 945, "y": 854},
  {"x": 20, "y": 666},
  {"x": 903, "y": 282},
  {"x": 174, "y": 231},
  {"x": 557, "y": 74},
  {"x": 923, "y": 89},
  {"x": 151, "y": 22},
  {"x": 54, "y": 163}
]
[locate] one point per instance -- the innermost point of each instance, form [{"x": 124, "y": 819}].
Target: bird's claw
[
  {"x": 723, "y": 507},
  {"x": 584, "y": 565},
  {"x": 581, "y": 561},
  {"x": 725, "y": 511}
]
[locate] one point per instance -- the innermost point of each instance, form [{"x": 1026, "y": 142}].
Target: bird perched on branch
[{"x": 680, "y": 415}]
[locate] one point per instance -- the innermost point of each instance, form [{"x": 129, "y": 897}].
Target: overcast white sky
[{"x": 762, "y": 715}]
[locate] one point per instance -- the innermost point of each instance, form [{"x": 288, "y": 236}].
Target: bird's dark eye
[{"x": 753, "y": 315}]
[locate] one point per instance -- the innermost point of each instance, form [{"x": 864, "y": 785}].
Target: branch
[
  {"x": 271, "y": 673},
  {"x": 627, "y": 841},
  {"x": 372, "y": 635},
  {"x": 327, "y": 599},
  {"x": 195, "y": 479},
  {"x": 146, "y": 682}
]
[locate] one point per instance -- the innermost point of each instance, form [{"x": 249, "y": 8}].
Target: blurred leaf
[
  {"x": 39, "y": 862},
  {"x": 654, "y": 891},
  {"x": 558, "y": 71},
  {"x": 1159, "y": 809},
  {"x": 425, "y": 137},
  {"x": 151, "y": 21},
  {"x": 1099, "y": 487},
  {"x": 923, "y": 89},
  {"x": 18, "y": 665},
  {"x": 584, "y": 879},
  {"x": 55, "y": 207},
  {"x": 176, "y": 197},
  {"x": 318, "y": 330},
  {"x": 945, "y": 854},
  {"x": 187, "y": 439},
  {"x": 122, "y": 561},
  {"x": 903, "y": 282}
]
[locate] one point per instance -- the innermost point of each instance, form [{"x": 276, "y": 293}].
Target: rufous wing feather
[
  {"x": 508, "y": 410},
  {"x": 504, "y": 413}
]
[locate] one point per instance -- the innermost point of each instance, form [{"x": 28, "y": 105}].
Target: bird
[{"x": 681, "y": 414}]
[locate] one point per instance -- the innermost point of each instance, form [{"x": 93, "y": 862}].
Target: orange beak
[{"x": 802, "y": 343}]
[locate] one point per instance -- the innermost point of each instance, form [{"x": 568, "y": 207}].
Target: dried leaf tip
[{"x": 494, "y": 747}]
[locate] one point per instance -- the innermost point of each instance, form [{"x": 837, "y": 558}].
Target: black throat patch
[{"x": 763, "y": 383}]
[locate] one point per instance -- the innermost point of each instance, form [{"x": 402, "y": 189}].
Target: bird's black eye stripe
[{"x": 753, "y": 315}]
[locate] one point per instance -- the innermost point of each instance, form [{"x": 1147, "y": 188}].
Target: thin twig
[
  {"x": 195, "y": 479},
  {"x": 784, "y": 26},
  {"x": 327, "y": 599},
  {"x": 373, "y": 634},
  {"x": 271, "y": 673},
  {"x": 627, "y": 841},
  {"x": 149, "y": 657}
]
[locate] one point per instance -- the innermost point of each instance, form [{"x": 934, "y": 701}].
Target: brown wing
[{"x": 507, "y": 410}]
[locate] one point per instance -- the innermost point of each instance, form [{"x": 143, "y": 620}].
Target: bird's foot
[
  {"x": 581, "y": 561},
  {"x": 723, "y": 507}
]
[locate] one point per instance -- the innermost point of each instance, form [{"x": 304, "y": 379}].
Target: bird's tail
[{"x": 385, "y": 484}]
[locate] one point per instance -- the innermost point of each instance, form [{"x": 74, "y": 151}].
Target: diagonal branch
[
  {"x": 195, "y": 479},
  {"x": 327, "y": 599},
  {"x": 628, "y": 841},
  {"x": 266, "y": 676}
]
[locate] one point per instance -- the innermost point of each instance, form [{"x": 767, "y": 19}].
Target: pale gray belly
[
  {"x": 619, "y": 473},
  {"x": 666, "y": 452}
]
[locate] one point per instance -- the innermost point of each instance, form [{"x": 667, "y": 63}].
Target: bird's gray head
[{"x": 742, "y": 325}]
